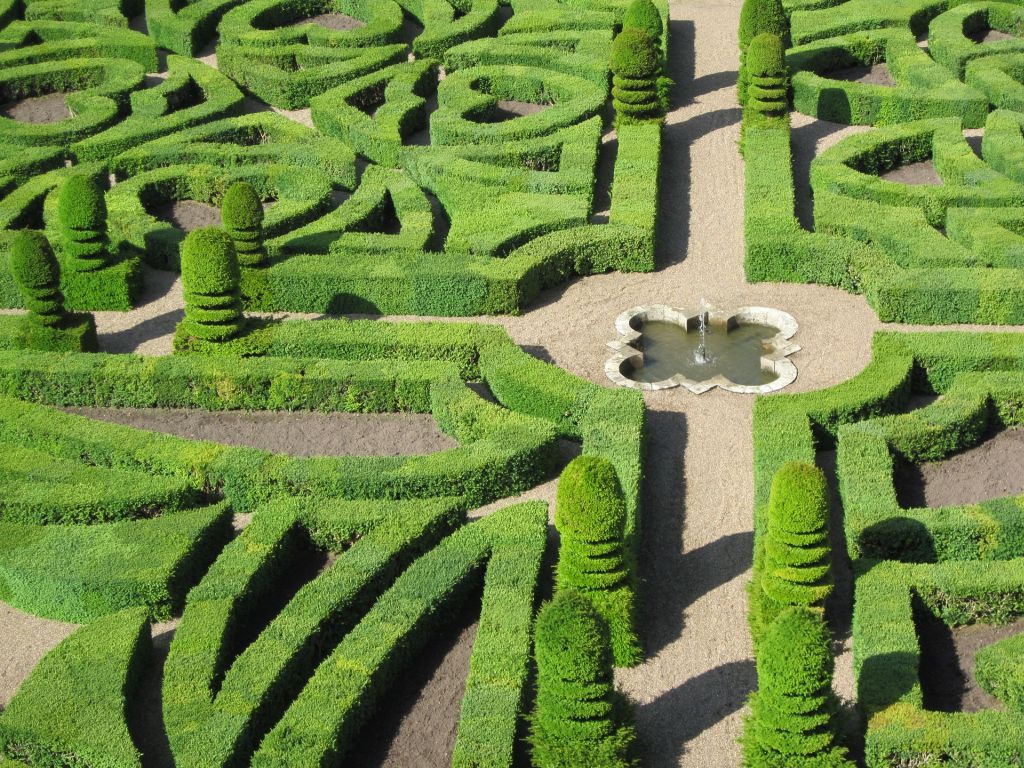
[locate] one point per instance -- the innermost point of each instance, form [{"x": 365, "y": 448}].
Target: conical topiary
[
  {"x": 47, "y": 325},
  {"x": 82, "y": 223},
  {"x": 579, "y": 719},
  {"x": 210, "y": 278},
  {"x": 242, "y": 214},
  {"x": 792, "y": 721},
  {"x": 796, "y": 566},
  {"x": 642, "y": 14},
  {"x": 590, "y": 514},
  {"x": 758, "y": 17},
  {"x": 636, "y": 66},
  {"x": 35, "y": 270},
  {"x": 768, "y": 86}
]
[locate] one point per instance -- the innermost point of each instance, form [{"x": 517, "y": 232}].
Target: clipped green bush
[
  {"x": 999, "y": 669},
  {"x": 210, "y": 277},
  {"x": 47, "y": 326},
  {"x": 82, "y": 223},
  {"x": 767, "y": 88},
  {"x": 590, "y": 514},
  {"x": 242, "y": 214},
  {"x": 642, "y": 14},
  {"x": 578, "y": 719},
  {"x": 792, "y": 714},
  {"x": 636, "y": 66},
  {"x": 795, "y": 566},
  {"x": 758, "y": 17},
  {"x": 37, "y": 275}
]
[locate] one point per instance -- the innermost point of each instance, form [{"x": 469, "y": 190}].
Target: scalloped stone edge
[{"x": 777, "y": 359}]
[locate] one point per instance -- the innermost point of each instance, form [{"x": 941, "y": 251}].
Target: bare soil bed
[
  {"x": 188, "y": 215},
  {"x": 990, "y": 470},
  {"x": 875, "y": 74},
  {"x": 339, "y": 22},
  {"x": 38, "y": 110},
  {"x": 947, "y": 662},
  {"x": 990, "y": 36},
  {"x": 298, "y": 433},
  {"x": 417, "y": 726},
  {"x": 919, "y": 174}
]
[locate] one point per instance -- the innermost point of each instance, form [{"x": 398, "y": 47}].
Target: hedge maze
[
  {"x": 481, "y": 124},
  {"x": 450, "y": 171},
  {"x": 934, "y": 249},
  {"x": 911, "y": 565}
]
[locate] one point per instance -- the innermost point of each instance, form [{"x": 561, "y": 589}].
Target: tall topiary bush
[
  {"x": 82, "y": 224},
  {"x": 792, "y": 721},
  {"x": 758, "y": 17},
  {"x": 46, "y": 326},
  {"x": 636, "y": 66},
  {"x": 242, "y": 214},
  {"x": 590, "y": 514},
  {"x": 642, "y": 14},
  {"x": 795, "y": 567},
  {"x": 579, "y": 719},
  {"x": 210, "y": 277},
  {"x": 768, "y": 76}
]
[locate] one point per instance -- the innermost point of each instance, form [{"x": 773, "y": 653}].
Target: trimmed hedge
[
  {"x": 887, "y": 659},
  {"x": 210, "y": 278},
  {"x": 504, "y": 550},
  {"x": 590, "y": 515},
  {"x": 792, "y": 718},
  {"x": 74, "y": 706},
  {"x": 998, "y": 670},
  {"x": 578, "y": 717},
  {"x": 242, "y": 213}
]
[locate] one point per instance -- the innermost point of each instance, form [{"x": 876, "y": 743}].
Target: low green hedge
[
  {"x": 503, "y": 550},
  {"x": 220, "y": 698},
  {"x": 83, "y": 572},
  {"x": 73, "y": 708},
  {"x": 923, "y": 89},
  {"x": 997, "y": 668},
  {"x": 817, "y": 20},
  {"x": 878, "y": 527},
  {"x": 949, "y": 35},
  {"x": 887, "y": 658},
  {"x": 185, "y": 27}
]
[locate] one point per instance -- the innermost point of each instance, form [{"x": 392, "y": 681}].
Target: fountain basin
[{"x": 745, "y": 351}]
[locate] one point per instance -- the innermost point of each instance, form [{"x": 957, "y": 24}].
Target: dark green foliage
[
  {"x": 72, "y": 709},
  {"x": 768, "y": 76},
  {"x": 636, "y": 65},
  {"x": 792, "y": 718},
  {"x": 37, "y": 274},
  {"x": 590, "y": 514},
  {"x": 210, "y": 278},
  {"x": 643, "y": 14},
  {"x": 242, "y": 214},
  {"x": 577, "y": 720},
  {"x": 82, "y": 223},
  {"x": 758, "y": 17}
]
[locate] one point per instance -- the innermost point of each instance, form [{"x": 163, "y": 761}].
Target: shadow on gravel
[{"x": 706, "y": 699}]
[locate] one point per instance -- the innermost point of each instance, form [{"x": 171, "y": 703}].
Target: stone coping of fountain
[{"x": 775, "y": 359}]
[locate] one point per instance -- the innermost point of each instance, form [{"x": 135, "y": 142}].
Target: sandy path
[{"x": 24, "y": 640}]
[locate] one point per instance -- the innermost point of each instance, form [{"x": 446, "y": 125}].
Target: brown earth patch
[
  {"x": 875, "y": 74},
  {"x": 919, "y": 174},
  {"x": 188, "y": 215},
  {"x": 297, "y": 433},
  {"x": 947, "y": 662},
  {"x": 38, "y": 110},
  {"x": 990, "y": 470}
]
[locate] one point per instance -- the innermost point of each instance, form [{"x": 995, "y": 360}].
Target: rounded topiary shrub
[
  {"x": 34, "y": 268},
  {"x": 242, "y": 214},
  {"x": 210, "y": 278},
  {"x": 579, "y": 719},
  {"x": 636, "y": 66},
  {"x": 792, "y": 721},
  {"x": 795, "y": 566},
  {"x": 767, "y": 76},
  {"x": 590, "y": 514},
  {"x": 758, "y": 17},
  {"x": 82, "y": 223},
  {"x": 642, "y": 14}
]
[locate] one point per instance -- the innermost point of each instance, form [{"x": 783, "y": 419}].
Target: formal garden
[{"x": 506, "y": 383}]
